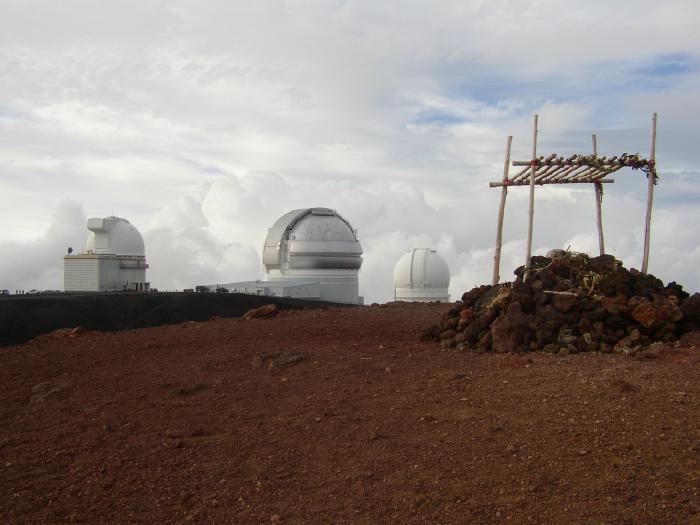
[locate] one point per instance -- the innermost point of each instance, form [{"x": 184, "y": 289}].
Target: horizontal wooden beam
[
  {"x": 579, "y": 162},
  {"x": 544, "y": 183}
]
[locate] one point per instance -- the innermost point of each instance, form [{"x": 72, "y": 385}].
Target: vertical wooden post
[
  {"x": 531, "y": 211},
  {"x": 598, "y": 202},
  {"x": 651, "y": 179},
  {"x": 501, "y": 213}
]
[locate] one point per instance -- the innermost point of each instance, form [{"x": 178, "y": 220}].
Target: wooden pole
[
  {"x": 501, "y": 212},
  {"x": 531, "y": 211},
  {"x": 598, "y": 203},
  {"x": 651, "y": 179}
]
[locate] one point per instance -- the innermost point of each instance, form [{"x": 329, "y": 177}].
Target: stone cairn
[{"x": 569, "y": 303}]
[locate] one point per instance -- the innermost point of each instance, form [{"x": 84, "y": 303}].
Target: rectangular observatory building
[{"x": 114, "y": 259}]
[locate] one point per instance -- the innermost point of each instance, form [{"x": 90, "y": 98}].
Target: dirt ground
[{"x": 190, "y": 424}]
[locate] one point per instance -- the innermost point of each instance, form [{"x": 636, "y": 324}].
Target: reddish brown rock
[
  {"x": 465, "y": 317},
  {"x": 448, "y": 334},
  {"x": 635, "y": 336},
  {"x": 470, "y": 297},
  {"x": 635, "y": 301},
  {"x": 598, "y": 327},
  {"x": 654, "y": 313},
  {"x": 62, "y": 333},
  {"x": 264, "y": 312},
  {"x": 479, "y": 325},
  {"x": 564, "y": 301},
  {"x": 77, "y": 331},
  {"x": 467, "y": 313},
  {"x": 536, "y": 286},
  {"x": 615, "y": 305},
  {"x": 691, "y": 309},
  {"x": 432, "y": 333},
  {"x": 625, "y": 342},
  {"x": 452, "y": 322},
  {"x": 485, "y": 341},
  {"x": 508, "y": 331}
]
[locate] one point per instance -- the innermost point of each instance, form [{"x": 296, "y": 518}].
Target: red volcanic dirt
[{"x": 193, "y": 423}]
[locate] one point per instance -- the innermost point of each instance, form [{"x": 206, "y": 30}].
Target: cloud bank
[{"x": 203, "y": 125}]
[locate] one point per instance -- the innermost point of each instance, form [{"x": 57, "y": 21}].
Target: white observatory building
[
  {"x": 421, "y": 275},
  {"x": 315, "y": 245},
  {"x": 311, "y": 253},
  {"x": 114, "y": 259}
]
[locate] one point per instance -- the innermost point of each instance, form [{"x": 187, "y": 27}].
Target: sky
[{"x": 203, "y": 122}]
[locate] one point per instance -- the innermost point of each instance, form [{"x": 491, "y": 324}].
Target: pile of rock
[{"x": 570, "y": 303}]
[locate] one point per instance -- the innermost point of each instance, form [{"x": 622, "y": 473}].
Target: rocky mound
[{"x": 570, "y": 303}]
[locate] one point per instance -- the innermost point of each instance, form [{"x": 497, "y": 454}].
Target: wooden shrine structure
[{"x": 576, "y": 169}]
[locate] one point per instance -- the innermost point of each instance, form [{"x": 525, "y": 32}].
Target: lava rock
[
  {"x": 570, "y": 301},
  {"x": 508, "y": 332},
  {"x": 267, "y": 311},
  {"x": 470, "y": 297},
  {"x": 278, "y": 359}
]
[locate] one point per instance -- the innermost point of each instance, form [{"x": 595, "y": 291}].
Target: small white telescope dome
[{"x": 421, "y": 275}]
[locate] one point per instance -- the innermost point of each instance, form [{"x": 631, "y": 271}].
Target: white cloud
[
  {"x": 202, "y": 124},
  {"x": 38, "y": 263}
]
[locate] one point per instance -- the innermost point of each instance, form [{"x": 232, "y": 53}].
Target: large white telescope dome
[
  {"x": 421, "y": 275},
  {"x": 114, "y": 235},
  {"x": 315, "y": 245},
  {"x": 314, "y": 238}
]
